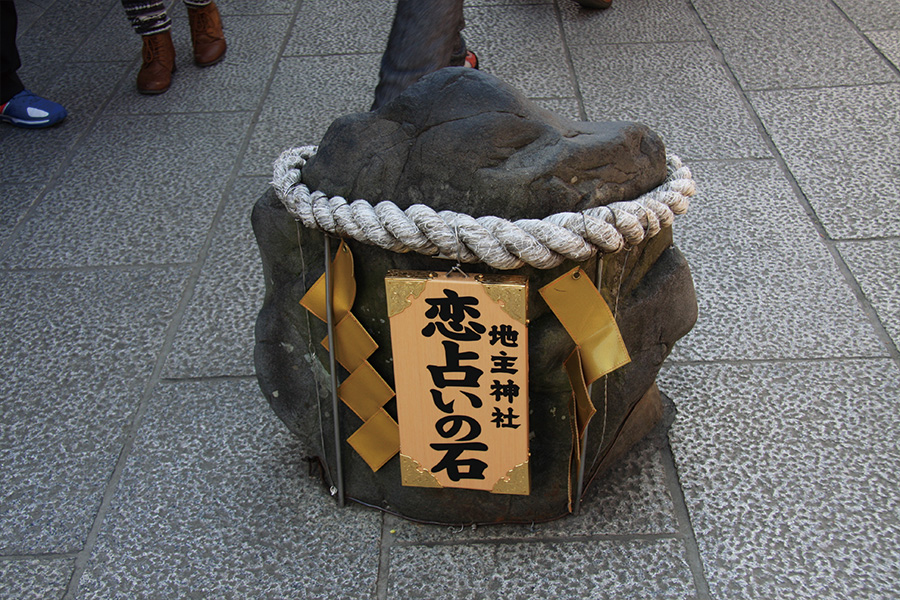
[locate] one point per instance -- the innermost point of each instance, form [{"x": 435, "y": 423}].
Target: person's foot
[
  {"x": 471, "y": 60},
  {"x": 30, "y": 110},
  {"x": 207, "y": 36},
  {"x": 158, "y": 53},
  {"x": 595, "y": 3}
]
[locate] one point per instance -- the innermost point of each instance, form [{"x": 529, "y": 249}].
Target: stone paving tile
[
  {"x": 787, "y": 471},
  {"x": 34, "y": 579},
  {"x": 234, "y": 84},
  {"x": 888, "y": 42},
  {"x": 81, "y": 89},
  {"x": 521, "y": 45},
  {"x": 341, "y": 27},
  {"x": 631, "y": 499},
  {"x": 76, "y": 353},
  {"x": 774, "y": 44},
  {"x": 307, "y": 95},
  {"x": 113, "y": 39},
  {"x": 136, "y": 214},
  {"x": 216, "y": 336},
  {"x": 257, "y": 7},
  {"x": 27, "y": 13},
  {"x": 872, "y": 14},
  {"x": 215, "y": 502},
  {"x": 63, "y": 28},
  {"x": 566, "y": 107},
  {"x": 471, "y": 3},
  {"x": 841, "y": 145},
  {"x": 628, "y": 22},
  {"x": 14, "y": 202},
  {"x": 766, "y": 285},
  {"x": 679, "y": 90},
  {"x": 874, "y": 265},
  {"x": 597, "y": 569}
]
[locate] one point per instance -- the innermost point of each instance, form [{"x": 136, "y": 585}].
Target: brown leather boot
[
  {"x": 206, "y": 34},
  {"x": 158, "y": 53}
]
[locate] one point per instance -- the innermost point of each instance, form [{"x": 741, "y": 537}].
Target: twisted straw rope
[{"x": 502, "y": 244}]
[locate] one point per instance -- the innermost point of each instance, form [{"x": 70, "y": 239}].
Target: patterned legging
[{"x": 149, "y": 16}]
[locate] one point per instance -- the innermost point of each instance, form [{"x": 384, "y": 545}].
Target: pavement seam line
[
  {"x": 683, "y": 518},
  {"x": 570, "y": 64},
  {"x": 83, "y": 557},
  {"x": 801, "y": 197},
  {"x": 389, "y": 524}
]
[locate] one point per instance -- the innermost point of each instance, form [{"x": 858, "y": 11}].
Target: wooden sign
[{"x": 460, "y": 349}]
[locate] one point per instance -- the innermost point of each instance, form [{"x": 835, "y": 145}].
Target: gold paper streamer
[
  {"x": 599, "y": 348},
  {"x": 364, "y": 391},
  {"x": 344, "y": 292},
  {"x": 583, "y": 312},
  {"x": 353, "y": 344},
  {"x": 584, "y": 407},
  {"x": 378, "y": 440}
]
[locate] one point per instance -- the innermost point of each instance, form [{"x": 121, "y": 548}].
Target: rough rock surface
[
  {"x": 463, "y": 140},
  {"x": 649, "y": 286}
]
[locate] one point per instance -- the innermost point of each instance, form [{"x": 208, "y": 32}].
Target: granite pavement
[{"x": 138, "y": 458}]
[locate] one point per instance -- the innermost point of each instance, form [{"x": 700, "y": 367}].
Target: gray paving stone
[
  {"x": 471, "y": 3},
  {"x": 679, "y": 90},
  {"x": 771, "y": 44},
  {"x": 874, "y": 265},
  {"x": 841, "y": 145},
  {"x": 567, "y": 107},
  {"x": 34, "y": 579},
  {"x": 628, "y": 22},
  {"x": 112, "y": 39},
  {"x": 872, "y": 14},
  {"x": 251, "y": 43},
  {"x": 27, "y": 13},
  {"x": 76, "y": 352},
  {"x": 14, "y": 202},
  {"x": 216, "y": 336},
  {"x": 630, "y": 500},
  {"x": 597, "y": 569},
  {"x": 766, "y": 285},
  {"x": 68, "y": 24},
  {"x": 234, "y": 84},
  {"x": 149, "y": 203},
  {"x": 341, "y": 27},
  {"x": 81, "y": 89},
  {"x": 41, "y": 3},
  {"x": 888, "y": 42},
  {"x": 257, "y": 7},
  {"x": 521, "y": 44},
  {"x": 306, "y": 96},
  {"x": 786, "y": 433},
  {"x": 787, "y": 471},
  {"x": 215, "y": 502}
]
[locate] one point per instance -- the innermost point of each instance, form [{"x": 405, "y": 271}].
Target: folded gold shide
[{"x": 364, "y": 390}]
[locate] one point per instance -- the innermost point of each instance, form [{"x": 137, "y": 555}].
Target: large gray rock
[{"x": 463, "y": 140}]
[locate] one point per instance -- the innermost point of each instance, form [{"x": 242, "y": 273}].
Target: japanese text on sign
[{"x": 461, "y": 369}]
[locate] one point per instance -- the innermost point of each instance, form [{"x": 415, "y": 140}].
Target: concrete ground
[{"x": 139, "y": 460}]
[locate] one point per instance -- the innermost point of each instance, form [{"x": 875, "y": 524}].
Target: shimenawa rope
[{"x": 500, "y": 243}]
